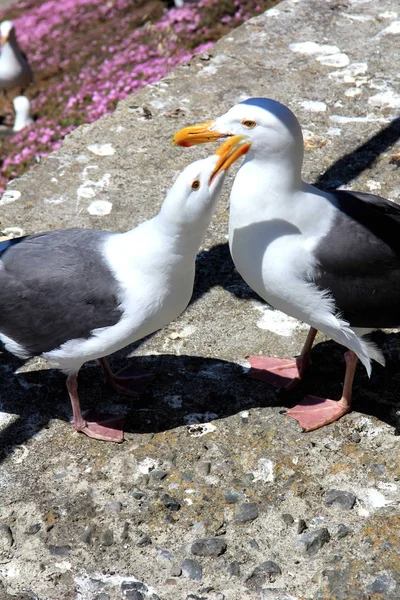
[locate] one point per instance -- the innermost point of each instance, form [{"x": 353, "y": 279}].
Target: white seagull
[
  {"x": 75, "y": 295},
  {"x": 22, "y": 108},
  {"x": 14, "y": 67},
  {"x": 330, "y": 259}
]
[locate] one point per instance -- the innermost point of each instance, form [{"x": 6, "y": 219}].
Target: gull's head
[
  {"x": 6, "y": 30},
  {"x": 196, "y": 190},
  {"x": 269, "y": 125}
]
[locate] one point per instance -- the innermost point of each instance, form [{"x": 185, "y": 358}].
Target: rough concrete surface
[{"x": 215, "y": 494}]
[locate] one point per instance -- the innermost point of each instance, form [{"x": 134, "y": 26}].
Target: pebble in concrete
[
  {"x": 312, "y": 541},
  {"x": 208, "y": 547},
  {"x": 301, "y": 526},
  {"x": 107, "y": 538},
  {"x": 170, "y": 503},
  {"x": 192, "y": 569},
  {"x": 6, "y": 538},
  {"x": 287, "y": 518},
  {"x": 234, "y": 569},
  {"x": 342, "y": 531},
  {"x": 246, "y": 512},
  {"x": 266, "y": 572},
  {"x": 340, "y": 499}
]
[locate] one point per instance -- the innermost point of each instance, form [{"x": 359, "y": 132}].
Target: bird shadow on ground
[
  {"x": 351, "y": 165},
  {"x": 190, "y": 389},
  {"x": 205, "y": 385}
]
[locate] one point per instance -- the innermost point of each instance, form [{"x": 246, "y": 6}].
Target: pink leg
[
  {"x": 94, "y": 425},
  {"x": 315, "y": 412},
  {"x": 128, "y": 381},
  {"x": 283, "y": 372}
]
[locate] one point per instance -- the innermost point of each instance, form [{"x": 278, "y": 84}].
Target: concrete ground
[{"x": 208, "y": 453}]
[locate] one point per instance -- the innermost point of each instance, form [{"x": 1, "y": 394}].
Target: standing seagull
[
  {"x": 22, "y": 108},
  {"x": 75, "y": 295},
  {"x": 14, "y": 67},
  {"x": 331, "y": 260}
]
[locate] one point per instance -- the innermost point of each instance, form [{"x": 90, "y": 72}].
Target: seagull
[
  {"x": 23, "y": 117},
  {"x": 75, "y": 295},
  {"x": 329, "y": 259},
  {"x": 14, "y": 67}
]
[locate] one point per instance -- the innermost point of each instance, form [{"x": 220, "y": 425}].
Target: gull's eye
[
  {"x": 249, "y": 124},
  {"x": 195, "y": 184}
]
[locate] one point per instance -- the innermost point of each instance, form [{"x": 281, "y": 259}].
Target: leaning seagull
[
  {"x": 75, "y": 295},
  {"x": 14, "y": 67},
  {"x": 329, "y": 259}
]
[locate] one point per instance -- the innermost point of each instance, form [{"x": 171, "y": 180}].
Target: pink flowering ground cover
[{"x": 89, "y": 54}]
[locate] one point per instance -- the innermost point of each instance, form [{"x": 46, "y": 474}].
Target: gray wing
[
  {"x": 54, "y": 287},
  {"x": 359, "y": 260}
]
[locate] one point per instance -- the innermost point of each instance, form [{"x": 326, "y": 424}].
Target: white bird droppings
[
  {"x": 393, "y": 29},
  {"x": 343, "y": 119},
  {"x": 85, "y": 192},
  {"x": 276, "y": 321},
  {"x": 100, "y": 208},
  {"x": 388, "y": 98},
  {"x": 13, "y": 232},
  {"x": 265, "y": 471},
  {"x": 351, "y": 92},
  {"x": 314, "y": 105},
  {"x": 102, "y": 149},
  {"x": 334, "y": 60},
  {"x": 313, "y": 48},
  {"x": 147, "y": 465},
  {"x": 373, "y": 185},
  {"x": 272, "y": 12},
  {"x": 9, "y": 196}
]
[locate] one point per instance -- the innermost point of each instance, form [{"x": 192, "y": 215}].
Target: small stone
[
  {"x": 209, "y": 547},
  {"x": 287, "y": 518},
  {"x": 342, "y": 531},
  {"x": 59, "y": 550},
  {"x": 231, "y": 497},
  {"x": 6, "y": 538},
  {"x": 340, "y": 499},
  {"x": 143, "y": 539},
  {"x": 246, "y": 512},
  {"x": 192, "y": 569},
  {"x": 188, "y": 476},
  {"x": 170, "y": 503},
  {"x": 133, "y": 590},
  {"x": 87, "y": 535},
  {"x": 158, "y": 475},
  {"x": 266, "y": 572},
  {"x": 301, "y": 526},
  {"x": 115, "y": 507},
  {"x": 312, "y": 541},
  {"x": 106, "y": 538},
  {"x": 254, "y": 544},
  {"x": 382, "y": 585},
  {"x": 355, "y": 437},
  {"x": 175, "y": 571},
  {"x": 103, "y": 596},
  {"x": 32, "y": 529},
  {"x": 204, "y": 468},
  {"x": 138, "y": 495},
  {"x": 234, "y": 569}
]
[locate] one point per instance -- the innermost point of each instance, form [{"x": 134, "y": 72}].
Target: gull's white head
[
  {"x": 270, "y": 126},
  {"x": 195, "y": 192},
  {"x": 6, "y": 30}
]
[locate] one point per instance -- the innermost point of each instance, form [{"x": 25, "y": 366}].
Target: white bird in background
[
  {"x": 75, "y": 295},
  {"x": 23, "y": 117},
  {"x": 330, "y": 259},
  {"x": 14, "y": 67}
]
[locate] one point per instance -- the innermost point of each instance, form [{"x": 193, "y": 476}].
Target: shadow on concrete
[
  {"x": 205, "y": 384},
  {"x": 192, "y": 385},
  {"x": 349, "y": 166}
]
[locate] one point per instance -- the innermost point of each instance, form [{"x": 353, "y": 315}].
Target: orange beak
[
  {"x": 197, "y": 134},
  {"x": 229, "y": 152},
  {"x": 4, "y": 39}
]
